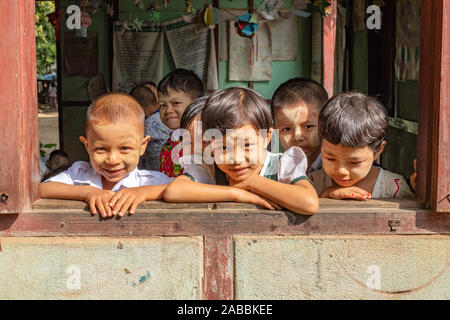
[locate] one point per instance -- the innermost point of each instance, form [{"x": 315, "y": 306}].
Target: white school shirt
[
  {"x": 388, "y": 184},
  {"x": 288, "y": 167},
  {"x": 81, "y": 173}
]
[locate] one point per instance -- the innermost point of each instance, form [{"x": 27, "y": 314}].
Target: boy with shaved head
[{"x": 111, "y": 183}]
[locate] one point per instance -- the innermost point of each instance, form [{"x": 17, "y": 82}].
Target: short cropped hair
[
  {"x": 354, "y": 120},
  {"x": 299, "y": 90},
  {"x": 234, "y": 107},
  {"x": 194, "y": 109},
  {"x": 144, "y": 95},
  {"x": 182, "y": 80},
  {"x": 113, "y": 108}
]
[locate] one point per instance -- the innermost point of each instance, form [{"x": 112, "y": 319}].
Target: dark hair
[
  {"x": 194, "y": 109},
  {"x": 298, "y": 90},
  {"x": 58, "y": 162},
  {"x": 182, "y": 80},
  {"x": 355, "y": 120},
  {"x": 144, "y": 95},
  {"x": 58, "y": 152},
  {"x": 234, "y": 107}
]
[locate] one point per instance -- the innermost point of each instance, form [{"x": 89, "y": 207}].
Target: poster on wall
[
  {"x": 81, "y": 54},
  {"x": 284, "y": 39},
  {"x": 137, "y": 56},
  {"x": 193, "y": 48},
  {"x": 250, "y": 59},
  {"x": 407, "y": 60}
]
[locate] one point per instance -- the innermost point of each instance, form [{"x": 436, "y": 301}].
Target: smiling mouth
[
  {"x": 113, "y": 173},
  {"x": 343, "y": 181},
  {"x": 239, "y": 171}
]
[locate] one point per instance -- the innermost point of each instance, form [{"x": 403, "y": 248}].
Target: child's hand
[
  {"x": 346, "y": 193},
  {"x": 245, "y": 196},
  {"x": 127, "y": 200},
  {"x": 245, "y": 184},
  {"x": 413, "y": 176},
  {"x": 99, "y": 199}
]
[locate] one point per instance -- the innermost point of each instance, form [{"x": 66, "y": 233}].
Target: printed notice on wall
[
  {"x": 251, "y": 59},
  {"x": 284, "y": 39},
  {"x": 137, "y": 57},
  {"x": 193, "y": 48}
]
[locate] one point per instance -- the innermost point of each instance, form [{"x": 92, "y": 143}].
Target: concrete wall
[
  {"x": 107, "y": 268},
  {"x": 266, "y": 267}
]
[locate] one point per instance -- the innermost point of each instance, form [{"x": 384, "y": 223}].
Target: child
[
  {"x": 110, "y": 183},
  {"x": 254, "y": 175},
  {"x": 57, "y": 162},
  {"x": 295, "y": 108},
  {"x": 352, "y": 127},
  {"x": 147, "y": 95},
  {"x": 175, "y": 92},
  {"x": 192, "y": 159}
]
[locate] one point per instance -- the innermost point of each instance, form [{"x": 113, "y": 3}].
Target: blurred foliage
[{"x": 45, "y": 37}]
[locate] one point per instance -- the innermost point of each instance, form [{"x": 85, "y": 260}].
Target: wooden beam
[
  {"x": 329, "y": 45},
  {"x": 19, "y": 148},
  {"x": 157, "y": 218}
]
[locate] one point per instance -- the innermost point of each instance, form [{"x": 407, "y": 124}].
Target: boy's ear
[
  {"x": 380, "y": 150},
  {"x": 144, "y": 145},
  {"x": 84, "y": 141}
]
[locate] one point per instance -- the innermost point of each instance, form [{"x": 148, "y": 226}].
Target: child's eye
[
  {"x": 125, "y": 148},
  {"x": 356, "y": 162},
  {"x": 309, "y": 126},
  {"x": 100, "y": 149},
  {"x": 285, "y": 129},
  {"x": 162, "y": 106},
  {"x": 330, "y": 159}
]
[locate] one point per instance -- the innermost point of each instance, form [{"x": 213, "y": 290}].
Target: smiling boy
[
  {"x": 175, "y": 92},
  {"x": 111, "y": 183}
]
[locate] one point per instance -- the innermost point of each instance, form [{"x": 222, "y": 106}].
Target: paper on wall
[
  {"x": 242, "y": 67},
  {"x": 284, "y": 38},
  {"x": 137, "y": 57},
  {"x": 193, "y": 48}
]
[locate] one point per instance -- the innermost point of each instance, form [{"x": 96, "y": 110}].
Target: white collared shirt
[
  {"x": 81, "y": 173},
  {"x": 387, "y": 185}
]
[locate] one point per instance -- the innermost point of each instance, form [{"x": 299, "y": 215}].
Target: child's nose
[
  {"x": 298, "y": 134},
  {"x": 342, "y": 170},
  {"x": 113, "y": 158}
]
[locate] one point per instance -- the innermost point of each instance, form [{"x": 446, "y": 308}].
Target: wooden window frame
[{"x": 218, "y": 222}]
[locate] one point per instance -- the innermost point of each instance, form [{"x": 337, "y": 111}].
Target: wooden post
[
  {"x": 433, "y": 145},
  {"x": 218, "y": 260},
  {"x": 443, "y": 139},
  {"x": 329, "y": 45},
  {"x": 19, "y": 149},
  {"x": 251, "y": 9}
]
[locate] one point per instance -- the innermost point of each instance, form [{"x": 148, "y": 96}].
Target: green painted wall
[{"x": 75, "y": 88}]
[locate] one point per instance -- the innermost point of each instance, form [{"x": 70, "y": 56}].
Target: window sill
[{"x": 157, "y": 218}]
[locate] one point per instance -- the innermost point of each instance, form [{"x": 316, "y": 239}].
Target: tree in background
[{"x": 45, "y": 37}]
